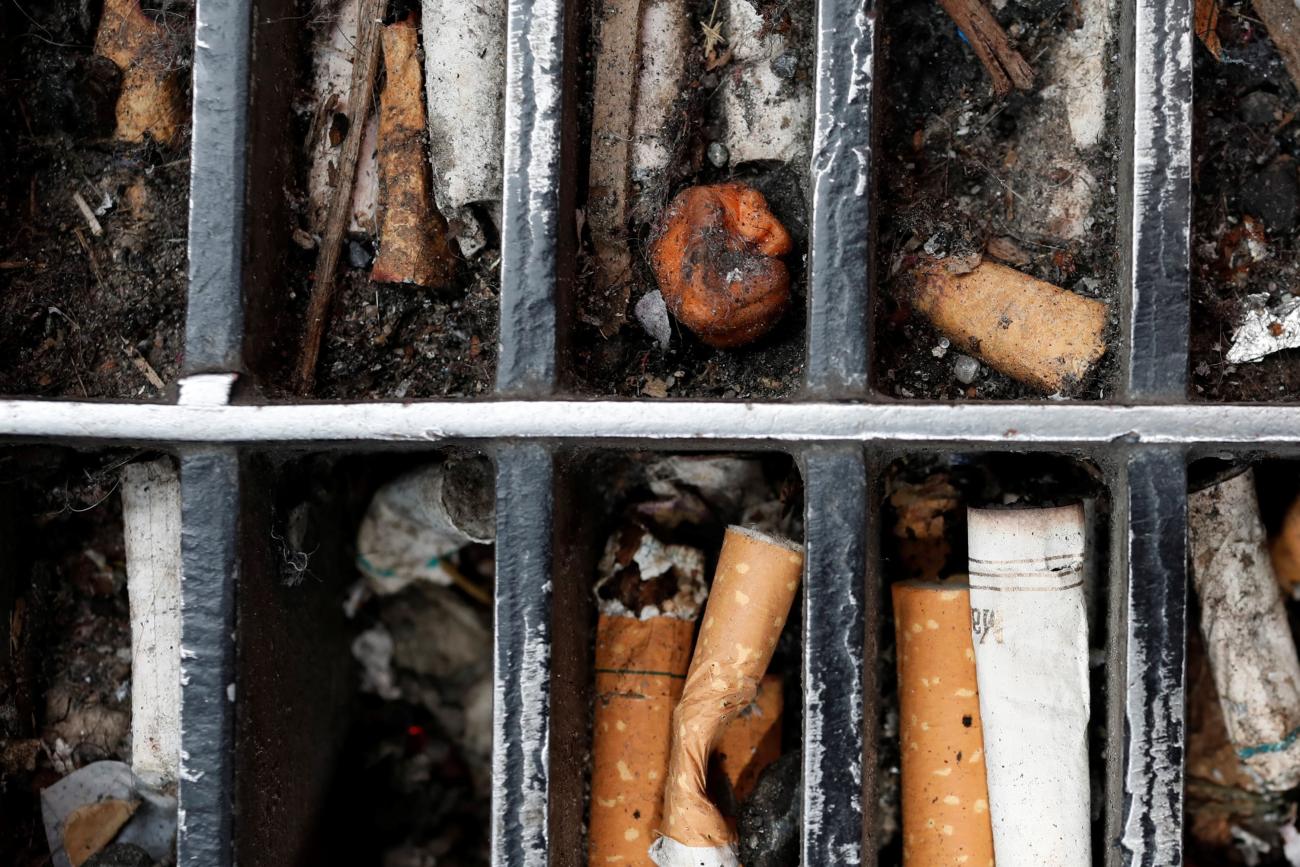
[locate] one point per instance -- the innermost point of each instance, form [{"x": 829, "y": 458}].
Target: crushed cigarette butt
[
  {"x": 715, "y": 258},
  {"x": 1028, "y": 329},
  {"x": 152, "y": 99},
  {"x": 751, "y": 742}
]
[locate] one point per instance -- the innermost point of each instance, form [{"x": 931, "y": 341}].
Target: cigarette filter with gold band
[
  {"x": 941, "y": 739},
  {"x": 1248, "y": 643},
  {"x": 753, "y": 588},
  {"x": 1030, "y": 630}
]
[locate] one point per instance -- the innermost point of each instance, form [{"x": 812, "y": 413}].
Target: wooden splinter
[
  {"x": 753, "y": 588},
  {"x": 1030, "y": 330},
  {"x": 152, "y": 100},
  {"x": 1004, "y": 64},
  {"x": 413, "y": 245},
  {"x": 941, "y": 741}
]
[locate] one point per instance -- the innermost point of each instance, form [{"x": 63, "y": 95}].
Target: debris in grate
[
  {"x": 1028, "y": 178},
  {"x": 687, "y": 94},
  {"x": 93, "y": 198},
  {"x": 406, "y": 272},
  {"x": 1246, "y": 208}
]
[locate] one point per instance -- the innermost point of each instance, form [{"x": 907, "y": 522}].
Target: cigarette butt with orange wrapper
[
  {"x": 941, "y": 741},
  {"x": 753, "y": 588}
]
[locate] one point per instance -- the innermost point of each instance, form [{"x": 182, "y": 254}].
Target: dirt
[
  {"x": 629, "y": 362},
  {"x": 1244, "y": 146},
  {"x": 963, "y": 171},
  {"x": 67, "y": 670},
  {"x": 85, "y": 314}
]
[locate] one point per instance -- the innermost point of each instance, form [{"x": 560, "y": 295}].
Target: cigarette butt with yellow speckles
[
  {"x": 752, "y": 740},
  {"x": 944, "y": 784},
  {"x": 640, "y": 670},
  {"x": 753, "y": 588}
]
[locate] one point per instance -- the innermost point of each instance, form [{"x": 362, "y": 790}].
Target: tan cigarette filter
[
  {"x": 413, "y": 245},
  {"x": 152, "y": 100},
  {"x": 752, "y": 740},
  {"x": 945, "y": 790},
  {"x": 753, "y": 588},
  {"x": 1285, "y": 551},
  {"x": 1030, "y": 330},
  {"x": 640, "y": 670}
]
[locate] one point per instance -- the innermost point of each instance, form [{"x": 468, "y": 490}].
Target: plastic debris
[{"x": 1265, "y": 329}]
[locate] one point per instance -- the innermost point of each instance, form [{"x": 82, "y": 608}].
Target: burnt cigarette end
[
  {"x": 715, "y": 258},
  {"x": 1028, "y": 329}
]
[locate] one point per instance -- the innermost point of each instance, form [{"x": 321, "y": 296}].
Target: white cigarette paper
[
  {"x": 1030, "y": 631},
  {"x": 151, "y": 522},
  {"x": 1247, "y": 641}
]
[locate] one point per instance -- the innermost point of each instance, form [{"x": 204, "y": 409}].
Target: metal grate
[{"x": 841, "y": 432}]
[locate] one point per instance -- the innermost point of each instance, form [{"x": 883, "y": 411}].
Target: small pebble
[
  {"x": 785, "y": 66},
  {"x": 718, "y": 154},
  {"x": 942, "y": 349},
  {"x": 359, "y": 254},
  {"x": 965, "y": 369}
]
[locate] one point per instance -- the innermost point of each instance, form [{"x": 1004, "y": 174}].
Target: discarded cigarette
[
  {"x": 945, "y": 792},
  {"x": 1247, "y": 641},
  {"x": 333, "y": 48},
  {"x": 1030, "y": 330},
  {"x": 151, "y": 510},
  {"x": 665, "y": 103},
  {"x": 650, "y": 596},
  {"x": 989, "y": 41},
  {"x": 922, "y": 526},
  {"x": 415, "y": 521},
  {"x": 714, "y": 256},
  {"x": 766, "y": 104},
  {"x": 413, "y": 244},
  {"x": 1285, "y": 551},
  {"x": 1030, "y": 631},
  {"x": 751, "y": 742},
  {"x": 465, "y": 82},
  {"x": 152, "y": 100},
  {"x": 1210, "y": 754},
  {"x": 753, "y": 588}
]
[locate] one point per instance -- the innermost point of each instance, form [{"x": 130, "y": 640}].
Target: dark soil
[
  {"x": 65, "y": 673},
  {"x": 629, "y": 362},
  {"x": 83, "y": 315},
  {"x": 1244, "y": 150},
  {"x": 951, "y": 180}
]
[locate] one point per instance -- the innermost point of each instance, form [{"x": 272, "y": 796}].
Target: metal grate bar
[
  {"x": 1147, "y": 792},
  {"x": 521, "y": 715},
  {"x": 209, "y": 534},
  {"x": 1158, "y": 175},
  {"x": 535, "y": 43},
  {"x": 839, "y": 248},
  {"x": 834, "y": 622},
  {"x": 214, "y": 319}
]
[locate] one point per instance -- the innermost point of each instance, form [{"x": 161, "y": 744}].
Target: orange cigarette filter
[
  {"x": 640, "y": 671},
  {"x": 753, "y": 588},
  {"x": 944, "y": 787},
  {"x": 1284, "y": 551},
  {"x": 151, "y": 101},
  {"x": 413, "y": 245},
  {"x": 752, "y": 740},
  {"x": 1028, "y": 329}
]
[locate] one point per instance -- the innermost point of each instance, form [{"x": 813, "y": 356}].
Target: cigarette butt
[
  {"x": 1210, "y": 754},
  {"x": 945, "y": 790},
  {"x": 1285, "y": 551},
  {"x": 752, "y": 741},
  {"x": 413, "y": 246},
  {"x": 922, "y": 525},
  {"x": 1247, "y": 640},
  {"x": 640, "y": 670},
  {"x": 753, "y": 588},
  {"x": 1030, "y": 632},
  {"x": 1028, "y": 329},
  {"x": 152, "y": 101}
]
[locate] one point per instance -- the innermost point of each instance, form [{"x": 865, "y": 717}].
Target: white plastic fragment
[
  {"x": 768, "y": 116},
  {"x": 667, "y": 852},
  {"x": 1248, "y": 643},
  {"x": 334, "y": 45},
  {"x": 151, "y": 515},
  {"x": 464, "y": 78},
  {"x": 1265, "y": 330},
  {"x": 409, "y": 530},
  {"x": 1030, "y": 632}
]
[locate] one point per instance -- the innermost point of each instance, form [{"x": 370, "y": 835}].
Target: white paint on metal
[{"x": 206, "y": 389}]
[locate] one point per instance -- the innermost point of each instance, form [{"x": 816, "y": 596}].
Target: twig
[
  {"x": 142, "y": 364},
  {"x": 95, "y": 228},
  {"x": 90, "y": 254},
  {"x": 365, "y": 69},
  {"x": 1004, "y": 64}
]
